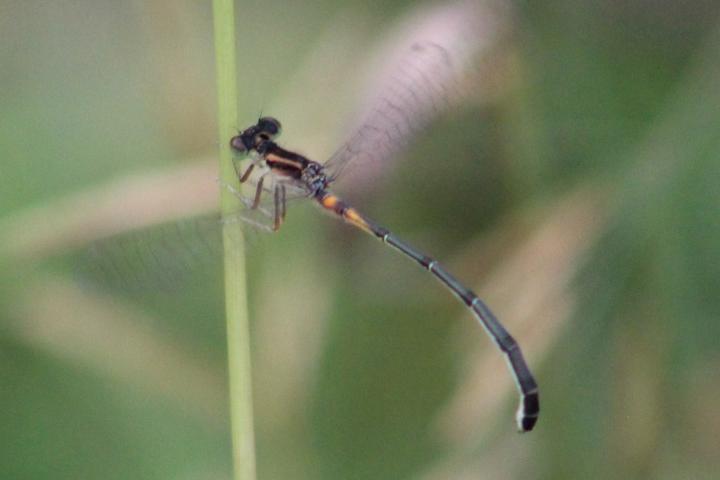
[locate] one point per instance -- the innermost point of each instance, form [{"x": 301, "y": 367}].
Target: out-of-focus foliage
[{"x": 579, "y": 193}]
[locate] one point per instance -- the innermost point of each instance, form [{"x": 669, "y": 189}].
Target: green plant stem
[{"x": 238, "y": 335}]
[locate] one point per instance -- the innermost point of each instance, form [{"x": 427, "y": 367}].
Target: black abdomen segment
[{"x": 529, "y": 408}]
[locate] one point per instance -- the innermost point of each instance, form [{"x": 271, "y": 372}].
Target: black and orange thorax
[{"x": 285, "y": 162}]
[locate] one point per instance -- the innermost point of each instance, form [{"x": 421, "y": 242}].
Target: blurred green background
[{"x": 579, "y": 194}]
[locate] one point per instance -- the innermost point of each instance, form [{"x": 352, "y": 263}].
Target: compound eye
[
  {"x": 237, "y": 143},
  {"x": 269, "y": 125}
]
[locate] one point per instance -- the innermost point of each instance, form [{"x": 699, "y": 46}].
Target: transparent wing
[
  {"x": 169, "y": 256},
  {"x": 258, "y": 216},
  {"x": 162, "y": 258},
  {"x": 261, "y": 202},
  {"x": 417, "y": 91},
  {"x": 428, "y": 76}
]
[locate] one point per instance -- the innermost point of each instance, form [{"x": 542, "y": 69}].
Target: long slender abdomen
[{"x": 529, "y": 407}]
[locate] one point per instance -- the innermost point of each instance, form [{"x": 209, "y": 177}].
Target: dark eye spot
[
  {"x": 269, "y": 125},
  {"x": 237, "y": 143}
]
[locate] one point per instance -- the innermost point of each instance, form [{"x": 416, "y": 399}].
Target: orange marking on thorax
[{"x": 273, "y": 158}]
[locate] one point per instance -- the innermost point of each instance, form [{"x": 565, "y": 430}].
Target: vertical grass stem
[{"x": 238, "y": 335}]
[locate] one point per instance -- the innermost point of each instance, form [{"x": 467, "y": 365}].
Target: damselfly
[{"x": 284, "y": 174}]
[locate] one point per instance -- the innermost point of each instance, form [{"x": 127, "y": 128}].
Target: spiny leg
[
  {"x": 258, "y": 193},
  {"x": 243, "y": 178},
  {"x": 280, "y": 199},
  {"x": 245, "y": 175},
  {"x": 277, "y": 211},
  {"x": 283, "y": 202},
  {"x": 265, "y": 223}
]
